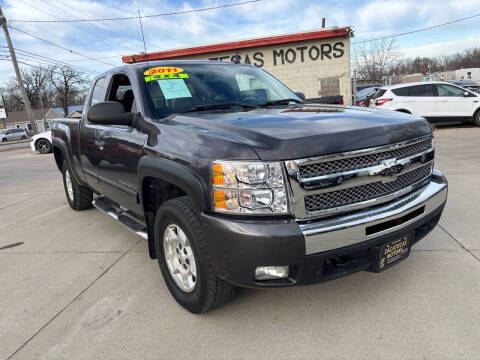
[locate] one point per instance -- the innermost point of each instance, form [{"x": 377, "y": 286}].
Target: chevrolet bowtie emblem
[{"x": 389, "y": 167}]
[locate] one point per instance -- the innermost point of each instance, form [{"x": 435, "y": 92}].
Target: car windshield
[
  {"x": 3, "y": 131},
  {"x": 196, "y": 87}
]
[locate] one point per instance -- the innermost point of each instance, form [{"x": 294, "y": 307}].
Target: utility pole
[{"x": 28, "y": 108}]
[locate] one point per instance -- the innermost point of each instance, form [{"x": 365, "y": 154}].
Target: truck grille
[
  {"x": 365, "y": 192},
  {"x": 363, "y": 161}
]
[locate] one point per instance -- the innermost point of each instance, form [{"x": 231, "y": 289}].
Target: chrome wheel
[
  {"x": 179, "y": 258},
  {"x": 68, "y": 183}
]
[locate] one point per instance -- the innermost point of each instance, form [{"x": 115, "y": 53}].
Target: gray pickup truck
[{"x": 235, "y": 181}]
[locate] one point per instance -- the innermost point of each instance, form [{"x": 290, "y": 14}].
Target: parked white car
[
  {"x": 435, "y": 101},
  {"x": 42, "y": 142},
  {"x": 12, "y": 134}
]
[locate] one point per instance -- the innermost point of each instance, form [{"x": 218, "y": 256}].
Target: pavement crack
[
  {"x": 459, "y": 243},
  {"x": 75, "y": 298}
]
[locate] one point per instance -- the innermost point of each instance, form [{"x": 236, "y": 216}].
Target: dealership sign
[{"x": 289, "y": 55}]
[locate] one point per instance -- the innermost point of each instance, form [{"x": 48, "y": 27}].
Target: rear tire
[
  {"x": 79, "y": 197},
  {"x": 24, "y": 137},
  {"x": 43, "y": 146},
  {"x": 207, "y": 292},
  {"x": 476, "y": 118}
]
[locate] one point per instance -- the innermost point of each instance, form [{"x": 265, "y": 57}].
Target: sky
[{"x": 107, "y": 41}]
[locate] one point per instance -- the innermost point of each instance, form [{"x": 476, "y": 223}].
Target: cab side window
[
  {"x": 98, "y": 93},
  {"x": 121, "y": 91}
]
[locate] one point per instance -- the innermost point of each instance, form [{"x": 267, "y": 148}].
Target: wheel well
[
  {"x": 155, "y": 193},
  {"x": 59, "y": 158},
  {"x": 403, "y": 111},
  {"x": 475, "y": 113}
]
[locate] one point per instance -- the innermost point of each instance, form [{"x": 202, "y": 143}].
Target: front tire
[
  {"x": 184, "y": 260},
  {"x": 43, "y": 146},
  {"x": 476, "y": 118},
  {"x": 79, "y": 197},
  {"x": 4, "y": 140}
]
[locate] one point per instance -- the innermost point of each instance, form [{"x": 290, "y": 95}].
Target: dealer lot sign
[{"x": 316, "y": 63}]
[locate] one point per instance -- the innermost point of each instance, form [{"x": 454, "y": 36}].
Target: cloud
[
  {"x": 267, "y": 17},
  {"x": 442, "y": 48}
]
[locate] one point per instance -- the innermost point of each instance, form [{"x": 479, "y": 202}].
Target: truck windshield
[{"x": 199, "y": 87}]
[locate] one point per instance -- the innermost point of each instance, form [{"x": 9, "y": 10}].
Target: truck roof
[{"x": 168, "y": 62}]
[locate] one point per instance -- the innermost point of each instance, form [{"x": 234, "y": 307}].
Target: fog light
[{"x": 271, "y": 272}]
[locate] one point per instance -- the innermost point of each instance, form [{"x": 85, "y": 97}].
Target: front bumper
[{"x": 319, "y": 250}]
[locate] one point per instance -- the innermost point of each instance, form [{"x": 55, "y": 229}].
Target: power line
[
  {"x": 109, "y": 33},
  {"x": 144, "y": 16},
  {"x": 25, "y": 63},
  {"x": 56, "y": 62},
  {"x": 417, "y": 30},
  {"x": 59, "y": 46}
]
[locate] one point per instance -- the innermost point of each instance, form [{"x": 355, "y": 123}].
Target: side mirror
[
  {"x": 301, "y": 95},
  {"x": 466, "y": 93},
  {"x": 109, "y": 113}
]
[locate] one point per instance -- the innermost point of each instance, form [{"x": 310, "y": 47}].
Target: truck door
[
  {"x": 120, "y": 148},
  {"x": 89, "y": 154}
]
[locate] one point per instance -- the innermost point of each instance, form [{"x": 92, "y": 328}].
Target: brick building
[{"x": 316, "y": 63}]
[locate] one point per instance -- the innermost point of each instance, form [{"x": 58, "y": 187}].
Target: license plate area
[{"x": 393, "y": 252}]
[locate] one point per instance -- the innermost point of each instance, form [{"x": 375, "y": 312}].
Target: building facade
[{"x": 316, "y": 63}]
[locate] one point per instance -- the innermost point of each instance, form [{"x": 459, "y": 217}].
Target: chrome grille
[
  {"x": 365, "y": 192},
  {"x": 363, "y": 161}
]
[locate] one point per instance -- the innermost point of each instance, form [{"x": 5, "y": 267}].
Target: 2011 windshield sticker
[{"x": 164, "y": 72}]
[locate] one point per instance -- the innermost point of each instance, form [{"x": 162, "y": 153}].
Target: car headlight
[{"x": 251, "y": 187}]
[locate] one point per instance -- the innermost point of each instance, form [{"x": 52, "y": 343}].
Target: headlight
[{"x": 249, "y": 187}]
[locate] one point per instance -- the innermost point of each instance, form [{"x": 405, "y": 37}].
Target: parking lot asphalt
[{"x": 77, "y": 285}]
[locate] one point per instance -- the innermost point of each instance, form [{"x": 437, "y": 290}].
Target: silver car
[{"x": 12, "y": 134}]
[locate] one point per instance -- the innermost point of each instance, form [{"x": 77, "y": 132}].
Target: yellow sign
[
  {"x": 166, "y": 76},
  {"x": 163, "y": 70}
]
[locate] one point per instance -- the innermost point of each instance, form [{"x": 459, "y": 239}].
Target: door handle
[{"x": 99, "y": 144}]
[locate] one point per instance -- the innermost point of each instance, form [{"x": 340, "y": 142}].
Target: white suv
[{"x": 436, "y": 101}]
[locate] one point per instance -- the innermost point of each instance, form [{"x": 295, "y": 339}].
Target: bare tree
[
  {"x": 37, "y": 82},
  {"x": 67, "y": 82},
  {"x": 374, "y": 59}
]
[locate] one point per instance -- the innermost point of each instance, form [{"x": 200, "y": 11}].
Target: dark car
[
  {"x": 467, "y": 84},
  {"x": 234, "y": 181},
  {"x": 364, "y": 96}
]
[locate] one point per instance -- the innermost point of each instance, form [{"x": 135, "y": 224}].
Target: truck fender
[
  {"x": 174, "y": 173},
  {"x": 62, "y": 146}
]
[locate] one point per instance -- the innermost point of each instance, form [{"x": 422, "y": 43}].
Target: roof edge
[{"x": 241, "y": 44}]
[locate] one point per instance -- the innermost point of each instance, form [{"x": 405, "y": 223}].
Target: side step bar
[{"x": 105, "y": 206}]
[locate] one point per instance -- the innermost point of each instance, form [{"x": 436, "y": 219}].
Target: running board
[{"x": 118, "y": 214}]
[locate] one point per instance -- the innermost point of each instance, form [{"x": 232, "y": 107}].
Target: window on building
[
  {"x": 469, "y": 75},
  {"x": 329, "y": 86}
]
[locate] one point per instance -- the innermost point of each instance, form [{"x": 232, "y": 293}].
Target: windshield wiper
[
  {"x": 281, "y": 102},
  {"x": 219, "y": 106}
]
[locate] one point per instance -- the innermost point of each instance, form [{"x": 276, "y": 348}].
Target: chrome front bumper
[{"x": 356, "y": 227}]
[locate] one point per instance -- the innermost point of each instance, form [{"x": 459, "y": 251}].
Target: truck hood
[{"x": 307, "y": 130}]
